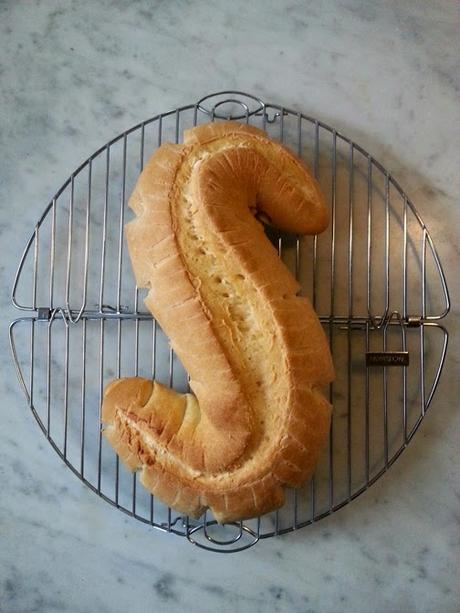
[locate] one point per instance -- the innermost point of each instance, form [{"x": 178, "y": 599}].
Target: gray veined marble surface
[{"x": 73, "y": 75}]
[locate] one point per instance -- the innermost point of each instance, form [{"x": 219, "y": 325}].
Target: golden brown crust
[{"x": 255, "y": 351}]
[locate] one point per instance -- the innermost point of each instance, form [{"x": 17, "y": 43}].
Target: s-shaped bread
[{"x": 255, "y": 350}]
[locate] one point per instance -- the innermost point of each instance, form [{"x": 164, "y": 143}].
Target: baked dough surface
[{"x": 255, "y": 352}]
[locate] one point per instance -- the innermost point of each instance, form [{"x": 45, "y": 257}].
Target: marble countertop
[{"x": 75, "y": 74}]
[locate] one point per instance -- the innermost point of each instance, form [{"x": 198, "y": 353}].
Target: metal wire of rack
[{"x": 374, "y": 278}]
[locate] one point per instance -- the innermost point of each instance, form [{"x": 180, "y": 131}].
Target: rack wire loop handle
[
  {"x": 223, "y": 546},
  {"x": 260, "y": 105}
]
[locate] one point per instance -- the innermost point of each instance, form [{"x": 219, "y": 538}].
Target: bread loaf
[{"x": 255, "y": 351}]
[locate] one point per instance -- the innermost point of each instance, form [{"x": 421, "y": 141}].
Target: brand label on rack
[{"x": 387, "y": 358}]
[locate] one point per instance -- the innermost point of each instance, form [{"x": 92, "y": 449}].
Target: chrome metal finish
[{"x": 374, "y": 278}]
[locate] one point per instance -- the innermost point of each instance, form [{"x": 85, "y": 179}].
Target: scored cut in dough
[{"x": 255, "y": 351}]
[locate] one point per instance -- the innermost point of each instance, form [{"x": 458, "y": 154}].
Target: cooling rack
[{"x": 374, "y": 278}]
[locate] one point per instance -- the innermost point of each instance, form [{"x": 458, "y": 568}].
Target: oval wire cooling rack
[{"x": 374, "y": 278}]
